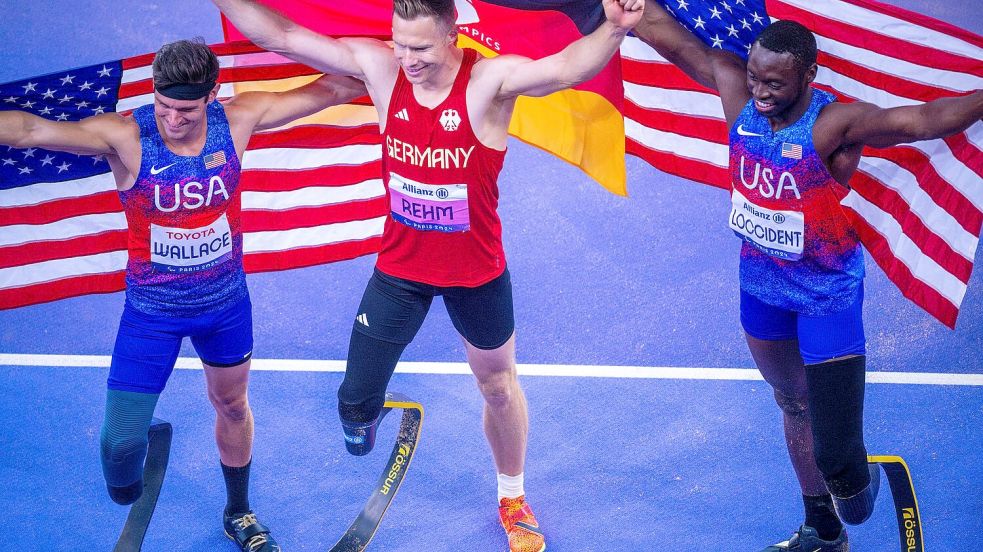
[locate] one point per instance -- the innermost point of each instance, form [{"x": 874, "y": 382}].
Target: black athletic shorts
[{"x": 393, "y": 309}]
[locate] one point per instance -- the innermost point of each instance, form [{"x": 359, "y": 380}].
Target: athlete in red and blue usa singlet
[
  {"x": 442, "y": 188},
  {"x": 800, "y": 253},
  {"x": 183, "y": 212}
]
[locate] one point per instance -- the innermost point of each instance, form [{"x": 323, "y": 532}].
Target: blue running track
[{"x": 623, "y": 307}]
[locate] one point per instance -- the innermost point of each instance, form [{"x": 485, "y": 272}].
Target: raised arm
[
  {"x": 867, "y": 124},
  {"x": 98, "y": 135},
  {"x": 271, "y": 31},
  {"x": 576, "y": 63},
  {"x": 715, "y": 69},
  {"x": 251, "y": 111}
]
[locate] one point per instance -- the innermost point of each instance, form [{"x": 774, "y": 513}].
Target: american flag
[
  {"x": 311, "y": 191},
  {"x": 918, "y": 207},
  {"x": 792, "y": 151}
]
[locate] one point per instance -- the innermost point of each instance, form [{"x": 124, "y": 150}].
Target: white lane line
[{"x": 461, "y": 368}]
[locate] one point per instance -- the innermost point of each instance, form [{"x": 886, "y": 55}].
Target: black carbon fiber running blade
[
  {"x": 905, "y": 502},
  {"x": 158, "y": 453},
  {"x": 361, "y": 531}
]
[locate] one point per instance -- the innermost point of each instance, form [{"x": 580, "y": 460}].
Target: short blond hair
[{"x": 443, "y": 11}]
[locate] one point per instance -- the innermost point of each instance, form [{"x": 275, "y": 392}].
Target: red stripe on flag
[
  {"x": 255, "y": 180},
  {"x": 919, "y": 19},
  {"x": 60, "y": 209},
  {"x": 235, "y": 47},
  {"x": 316, "y": 136},
  {"x": 136, "y": 62},
  {"x": 938, "y": 188},
  {"x": 966, "y": 152},
  {"x": 40, "y": 251},
  {"x": 136, "y": 88},
  {"x": 262, "y": 220},
  {"x": 692, "y": 169},
  {"x": 930, "y": 243},
  {"x": 660, "y": 75},
  {"x": 884, "y": 81},
  {"x": 703, "y": 128},
  {"x": 11, "y": 298},
  {"x": 310, "y": 256},
  {"x": 914, "y": 289}
]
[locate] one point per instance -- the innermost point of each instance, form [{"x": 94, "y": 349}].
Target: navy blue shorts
[
  {"x": 147, "y": 345},
  {"x": 821, "y": 338},
  {"x": 393, "y": 309}
]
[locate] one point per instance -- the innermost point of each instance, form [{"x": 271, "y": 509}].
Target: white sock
[{"x": 510, "y": 486}]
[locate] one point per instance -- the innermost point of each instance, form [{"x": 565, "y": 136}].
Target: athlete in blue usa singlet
[
  {"x": 176, "y": 166},
  {"x": 793, "y": 149},
  {"x": 800, "y": 253},
  {"x": 185, "y": 258},
  {"x": 185, "y": 247}
]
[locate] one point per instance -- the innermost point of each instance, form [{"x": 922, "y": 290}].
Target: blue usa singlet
[
  {"x": 183, "y": 213},
  {"x": 800, "y": 252}
]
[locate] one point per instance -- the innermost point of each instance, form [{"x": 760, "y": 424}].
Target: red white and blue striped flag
[
  {"x": 919, "y": 207},
  {"x": 312, "y": 191}
]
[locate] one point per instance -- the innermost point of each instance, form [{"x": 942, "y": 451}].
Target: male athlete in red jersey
[{"x": 444, "y": 113}]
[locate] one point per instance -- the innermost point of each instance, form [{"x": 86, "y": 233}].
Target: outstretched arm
[
  {"x": 91, "y": 136},
  {"x": 252, "y": 111},
  {"x": 265, "y": 110},
  {"x": 867, "y": 124},
  {"x": 576, "y": 63},
  {"x": 715, "y": 69},
  {"x": 271, "y": 31}
]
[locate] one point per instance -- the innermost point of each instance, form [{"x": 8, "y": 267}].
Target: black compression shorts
[{"x": 393, "y": 309}]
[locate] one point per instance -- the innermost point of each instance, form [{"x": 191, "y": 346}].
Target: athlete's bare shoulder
[
  {"x": 489, "y": 73},
  {"x": 375, "y": 58},
  {"x": 832, "y": 126}
]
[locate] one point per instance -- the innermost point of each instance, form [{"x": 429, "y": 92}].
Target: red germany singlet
[{"x": 442, "y": 189}]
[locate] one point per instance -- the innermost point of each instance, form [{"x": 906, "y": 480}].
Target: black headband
[{"x": 185, "y": 91}]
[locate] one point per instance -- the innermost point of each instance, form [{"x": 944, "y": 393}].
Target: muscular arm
[
  {"x": 96, "y": 135},
  {"x": 715, "y": 69},
  {"x": 576, "y": 63},
  {"x": 271, "y": 31},
  {"x": 867, "y": 124},
  {"x": 252, "y": 111},
  {"x": 273, "y": 109}
]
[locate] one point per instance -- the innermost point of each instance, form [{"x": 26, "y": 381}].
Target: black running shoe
[
  {"x": 807, "y": 540},
  {"x": 251, "y": 535}
]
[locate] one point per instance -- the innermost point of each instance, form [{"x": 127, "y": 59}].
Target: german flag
[{"x": 583, "y": 126}]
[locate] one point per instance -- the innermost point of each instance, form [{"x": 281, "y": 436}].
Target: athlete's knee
[
  {"x": 123, "y": 443},
  {"x": 231, "y": 406},
  {"x": 499, "y": 389},
  {"x": 792, "y": 405}
]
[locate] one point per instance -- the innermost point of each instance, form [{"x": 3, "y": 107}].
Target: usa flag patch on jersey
[{"x": 216, "y": 159}]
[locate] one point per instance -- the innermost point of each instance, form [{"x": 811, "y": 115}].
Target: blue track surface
[{"x": 614, "y": 464}]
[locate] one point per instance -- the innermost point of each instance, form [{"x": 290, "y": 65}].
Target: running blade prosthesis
[
  {"x": 158, "y": 452},
  {"x": 361, "y": 531},
  {"x": 905, "y": 503}
]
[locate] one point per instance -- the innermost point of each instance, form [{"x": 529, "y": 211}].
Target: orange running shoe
[{"x": 520, "y": 525}]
